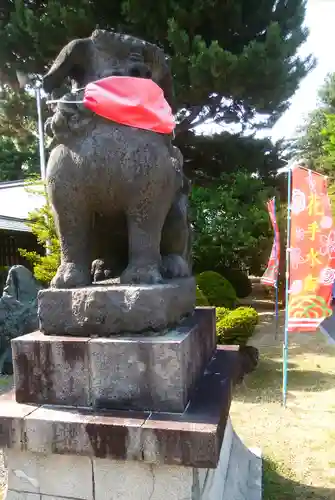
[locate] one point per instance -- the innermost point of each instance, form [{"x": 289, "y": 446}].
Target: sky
[{"x": 321, "y": 42}]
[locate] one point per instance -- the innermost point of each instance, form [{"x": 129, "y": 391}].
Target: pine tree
[
  {"x": 230, "y": 60},
  {"x": 16, "y": 163},
  {"x": 210, "y": 156},
  {"x": 233, "y": 62},
  {"x": 18, "y": 136}
]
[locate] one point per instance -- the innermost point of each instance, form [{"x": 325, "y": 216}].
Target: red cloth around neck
[{"x": 136, "y": 102}]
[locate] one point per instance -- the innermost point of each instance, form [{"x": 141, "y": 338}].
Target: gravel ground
[{"x": 5, "y": 385}]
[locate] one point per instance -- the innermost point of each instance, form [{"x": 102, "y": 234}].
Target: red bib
[{"x": 136, "y": 102}]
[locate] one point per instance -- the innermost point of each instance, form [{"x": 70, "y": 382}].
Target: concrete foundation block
[
  {"x": 132, "y": 481},
  {"x": 21, "y": 495},
  {"x": 36, "y": 476},
  {"x": 23, "y": 471},
  {"x": 67, "y": 476}
]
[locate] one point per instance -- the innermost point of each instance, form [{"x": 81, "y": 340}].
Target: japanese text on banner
[{"x": 312, "y": 252}]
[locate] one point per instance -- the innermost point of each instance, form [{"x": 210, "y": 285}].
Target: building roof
[
  {"x": 17, "y": 200},
  {"x": 13, "y": 224}
]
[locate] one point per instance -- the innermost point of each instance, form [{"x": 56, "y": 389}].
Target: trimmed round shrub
[
  {"x": 201, "y": 299},
  {"x": 217, "y": 289},
  {"x": 239, "y": 280},
  {"x": 237, "y": 326},
  {"x": 221, "y": 312}
]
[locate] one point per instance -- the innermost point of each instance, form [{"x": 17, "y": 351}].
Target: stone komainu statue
[{"x": 129, "y": 181}]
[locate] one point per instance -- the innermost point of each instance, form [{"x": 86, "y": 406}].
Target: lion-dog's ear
[
  {"x": 161, "y": 72},
  {"x": 71, "y": 59}
]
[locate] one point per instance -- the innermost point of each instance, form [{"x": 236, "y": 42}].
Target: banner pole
[
  {"x": 277, "y": 311},
  {"x": 277, "y": 277},
  {"x": 288, "y": 240}
]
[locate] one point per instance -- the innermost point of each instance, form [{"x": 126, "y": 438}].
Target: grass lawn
[
  {"x": 5, "y": 383},
  {"x": 298, "y": 442}
]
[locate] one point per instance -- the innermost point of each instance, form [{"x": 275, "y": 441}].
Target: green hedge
[
  {"x": 217, "y": 289},
  {"x": 221, "y": 312},
  {"x": 239, "y": 280},
  {"x": 237, "y": 326}
]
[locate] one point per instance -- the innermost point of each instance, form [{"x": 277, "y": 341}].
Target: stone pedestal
[
  {"x": 146, "y": 372},
  {"x": 111, "y": 309},
  {"x": 81, "y": 454},
  {"x": 136, "y": 417}
]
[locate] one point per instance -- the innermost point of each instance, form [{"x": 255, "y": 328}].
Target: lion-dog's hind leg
[{"x": 145, "y": 217}]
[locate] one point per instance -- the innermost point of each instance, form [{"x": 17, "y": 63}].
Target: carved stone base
[
  {"x": 156, "y": 373},
  {"x": 192, "y": 438},
  {"x": 106, "y": 310}
]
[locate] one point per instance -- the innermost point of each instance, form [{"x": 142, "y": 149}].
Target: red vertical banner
[
  {"x": 312, "y": 252},
  {"x": 270, "y": 276}
]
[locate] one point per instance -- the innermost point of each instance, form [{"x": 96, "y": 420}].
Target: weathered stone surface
[
  {"x": 198, "y": 351},
  {"x": 18, "y": 311},
  {"x": 243, "y": 480},
  {"x": 192, "y": 438},
  {"x": 84, "y": 432},
  {"x": 21, "y": 495},
  {"x": 21, "y": 284},
  {"x": 12, "y": 415},
  {"x": 156, "y": 373},
  {"x": 22, "y": 471},
  {"x": 117, "y": 171},
  {"x": 52, "y": 370},
  {"x": 135, "y": 481},
  {"x": 255, "y": 489},
  {"x": 106, "y": 310},
  {"x": 54, "y": 476}
]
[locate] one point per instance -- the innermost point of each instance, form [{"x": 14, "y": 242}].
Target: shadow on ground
[
  {"x": 278, "y": 487},
  {"x": 265, "y": 383},
  {"x": 299, "y": 344}
]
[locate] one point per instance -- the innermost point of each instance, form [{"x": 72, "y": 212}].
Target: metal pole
[
  {"x": 276, "y": 261},
  {"x": 288, "y": 239},
  {"x": 277, "y": 310},
  {"x": 40, "y": 129},
  {"x": 41, "y": 145}
]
